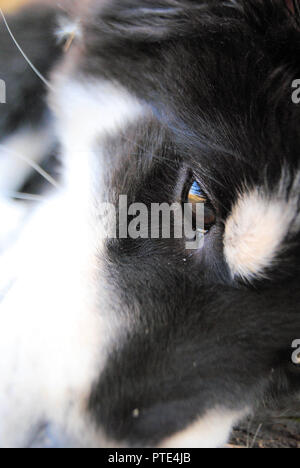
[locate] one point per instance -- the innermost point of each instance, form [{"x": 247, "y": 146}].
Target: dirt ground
[
  {"x": 271, "y": 429},
  {"x": 281, "y": 433}
]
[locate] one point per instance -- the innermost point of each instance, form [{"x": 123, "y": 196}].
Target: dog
[{"x": 119, "y": 341}]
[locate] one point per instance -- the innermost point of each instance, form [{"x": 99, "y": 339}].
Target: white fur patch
[
  {"x": 68, "y": 28},
  {"x": 12, "y": 216},
  {"x": 56, "y": 322},
  {"x": 255, "y": 231},
  {"x": 51, "y": 337},
  {"x": 211, "y": 431},
  {"x": 86, "y": 110},
  {"x": 28, "y": 145}
]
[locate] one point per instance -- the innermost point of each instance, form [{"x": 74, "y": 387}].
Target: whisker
[
  {"x": 145, "y": 149},
  {"x": 44, "y": 80},
  {"x": 32, "y": 164},
  {"x": 24, "y": 196},
  {"x": 256, "y": 435}
]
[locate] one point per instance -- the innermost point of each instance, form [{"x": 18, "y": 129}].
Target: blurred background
[{"x": 10, "y": 5}]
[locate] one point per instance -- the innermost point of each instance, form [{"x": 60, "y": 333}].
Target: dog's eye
[{"x": 195, "y": 196}]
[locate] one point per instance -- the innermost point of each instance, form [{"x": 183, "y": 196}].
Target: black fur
[
  {"x": 218, "y": 77},
  {"x": 26, "y": 93}
]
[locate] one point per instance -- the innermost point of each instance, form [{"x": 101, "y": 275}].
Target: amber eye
[{"x": 195, "y": 196}]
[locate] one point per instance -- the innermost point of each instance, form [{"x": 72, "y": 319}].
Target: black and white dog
[{"x": 141, "y": 342}]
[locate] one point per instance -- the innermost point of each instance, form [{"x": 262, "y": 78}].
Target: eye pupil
[{"x": 195, "y": 196}]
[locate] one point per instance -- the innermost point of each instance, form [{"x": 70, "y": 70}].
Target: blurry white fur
[{"x": 53, "y": 342}]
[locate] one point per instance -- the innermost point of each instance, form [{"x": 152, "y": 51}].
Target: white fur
[
  {"x": 255, "y": 232},
  {"x": 68, "y": 28},
  {"x": 92, "y": 109},
  {"x": 55, "y": 321},
  {"x": 50, "y": 336},
  {"x": 12, "y": 216},
  {"x": 27, "y": 144},
  {"x": 211, "y": 431}
]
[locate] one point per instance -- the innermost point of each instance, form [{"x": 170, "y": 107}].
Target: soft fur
[{"x": 124, "y": 342}]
